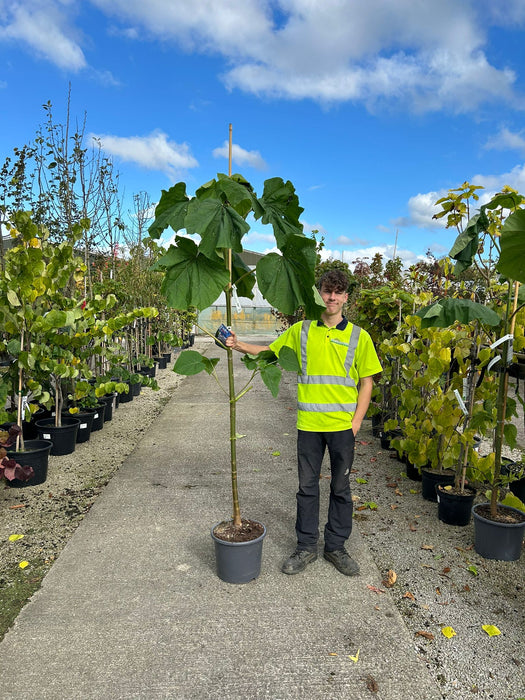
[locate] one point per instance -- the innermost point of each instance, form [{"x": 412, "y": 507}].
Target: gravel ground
[{"x": 441, "y": 581}]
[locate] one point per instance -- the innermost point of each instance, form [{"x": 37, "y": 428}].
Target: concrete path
[{"x": 133, "y": 608}]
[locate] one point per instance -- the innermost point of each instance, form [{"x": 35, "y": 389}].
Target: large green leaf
[
  {"x": 191, "y": 362},
  {"x": 279, "y": 206},
  {"x": 288, "y": 359},
  {"x": 271, "y": 376},
  {"x": 447, "y": 311},
  {"x": 171, "y": 210},
  {"x": 287, "y": 281},
  {"x": 191, "y": 279},
  {"x": 243, "y": 277},
  {"x": 512, "y": 258},
  {"x": 217, "y": 223},
  {"x": 466, "y": 244}
]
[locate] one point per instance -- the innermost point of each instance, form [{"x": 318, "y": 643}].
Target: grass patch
[{"x": 16, "y": 589}]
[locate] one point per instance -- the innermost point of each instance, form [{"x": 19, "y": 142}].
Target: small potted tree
[
  {"x": 196, "y": 275},
  {"x": 494, "y": 241}
]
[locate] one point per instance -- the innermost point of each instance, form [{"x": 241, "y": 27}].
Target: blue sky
[{"x": 373, "y": 110}]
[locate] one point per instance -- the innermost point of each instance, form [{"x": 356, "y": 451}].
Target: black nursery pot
[
  {"x": 161, "y": 362},
  {"x": 86, "y": 423},
  {"x": 99, "y": 416},
  {"x": 126, "y": 396},
  {"x": 64, "y": 438},
  {"x": 453, "y": 508},
  {"x": 430, "y": 479},
  {"x": 108, "y": 403},
  {"x": 167, "y": 356},
  {"x": 36, "y": 455}
]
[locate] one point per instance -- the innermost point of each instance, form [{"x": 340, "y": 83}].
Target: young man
[{"x": 338, "y": 361}]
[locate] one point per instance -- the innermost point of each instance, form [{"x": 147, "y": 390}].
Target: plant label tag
[
  {"x": 83, "y": 426},
  {"x": 46, "y": 436}
]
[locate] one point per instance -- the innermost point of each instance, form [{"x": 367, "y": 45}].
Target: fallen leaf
[
  {"x": 409, "y": 595},
  {"x": 394, "y": 506},
  {"x": 276, "y": 453},
  {"x": 20, "y": 505},
  {"x": 491, "y": 630},
  {"x": 466, "y": 588},
  {"x": 398, "y": 492},
  {"x": 430, "y": 547},
  {"x": 14, "y": 538},
  {"x": 364, "y": 442},
  {"x": 438, "y": 591},
  {"x": 414, "y": 491},
  {"x": 413, "y": 527},
  {"x": 375, "y": 589},
  {"x": 332, "y": 653},
  {"x": 373, "y": 459},
  {"x": 371, "y": 684},
  {"x": 361, "y": 481},
  {"x": 392, "y": 485},
  {"x": 391, "y": 578},
  {"x": 23, "y": 564},
  {"x": 355, "y": 658},
  {"x": 446, "y": 570},
  {"x": 448, "y": 632},
  {"x": 426, "y": 635}
]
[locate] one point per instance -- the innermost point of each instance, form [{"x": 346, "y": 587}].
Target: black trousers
[{"x": 311, "y": 448}]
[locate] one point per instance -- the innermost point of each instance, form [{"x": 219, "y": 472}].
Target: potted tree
[
  {"x": 494, "y": 241},
  {"x": 196, "y": 275}
]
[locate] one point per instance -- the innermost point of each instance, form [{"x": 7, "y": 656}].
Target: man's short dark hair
[{"x": 333, "y": 281}]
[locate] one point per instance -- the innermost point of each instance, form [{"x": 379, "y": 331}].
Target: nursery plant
[
  {"x": 196, "y": 274},
  {"x": 493, "y": 241}
]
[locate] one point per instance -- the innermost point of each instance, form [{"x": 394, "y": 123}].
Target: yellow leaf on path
[
  {"x": 491, "y": 630},
  {"x": 332, "y": 653},
  {"x": 430, "y": 547},
  {"x": 14, "y": 538},
  {"x": 23, "y": 564},
  {"x": 391, "y": 578},
  {"x": 448, "y": 632},
  {"x": 409, "y": 595},
  {"x": 355, "y": 658}
]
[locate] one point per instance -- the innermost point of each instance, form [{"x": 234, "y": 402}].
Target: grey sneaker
[
  {"x": 298, "y": 561},
  {"x": 343, "y": 562}
]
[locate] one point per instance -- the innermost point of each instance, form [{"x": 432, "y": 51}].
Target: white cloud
[
  {"x": 44, "y": 26},
  {"x": 350, "y": 257},
  {"x": 240, "y": 156},
  {"x": 153, "y": 152},
  {"x": 507, "y": 140},
  {"x": 425, "y": 55},
  {"x": 421, "y": 209},
  {"x": 493, "y": 183}
]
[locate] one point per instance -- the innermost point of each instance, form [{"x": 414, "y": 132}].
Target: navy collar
[{"x": 340, "y": 326}]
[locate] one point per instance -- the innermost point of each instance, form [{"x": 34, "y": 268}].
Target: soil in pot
[
  {"x": 500, "y": 538},
  {"x": 430, "y": 478},
  {"x": 35, "y": 455},
  {"x": 455, "y": 506}
]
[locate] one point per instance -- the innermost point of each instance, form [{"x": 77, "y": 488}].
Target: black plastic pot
[
  {"x": 136, "y": 388},
  {"x": 454, "y": 508},
  {"x": 36, "y": 455},
  {"x": 64, "y": 438},
  {"x": 167, "y": 356},
  {"x": 430, "y": 479},
  {"x": 161, "y": 362},
  {"x": 126, "y": 397},
  {"x": 387, "y": 437},
  {"x": 494, "y": 540},
  {"x": 413, "y": 472},
  {"x": 99, "y": 417},
  {"x": 518, "y": 486},
  {"x": 238, "y": 562},
  {"x": 108, "y": 402},
  {"x": 85, "y": 416},
  {"x": 377, "y": 421}
]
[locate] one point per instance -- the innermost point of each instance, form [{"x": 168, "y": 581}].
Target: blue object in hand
[{"x": 223, "y": 332}]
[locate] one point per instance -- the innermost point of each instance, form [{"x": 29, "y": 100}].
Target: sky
[{"x": 373, "y": 110}]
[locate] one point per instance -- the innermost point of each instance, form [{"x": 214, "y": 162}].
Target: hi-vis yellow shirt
[{"x": 332, "y": 362}]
